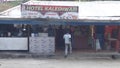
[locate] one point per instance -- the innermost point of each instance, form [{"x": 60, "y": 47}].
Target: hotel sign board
[{"x": 49, "y": 11}]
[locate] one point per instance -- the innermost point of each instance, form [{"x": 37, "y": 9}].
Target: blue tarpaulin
[{"x": 57, "y": 22}]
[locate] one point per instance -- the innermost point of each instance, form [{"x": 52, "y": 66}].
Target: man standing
[{"x": 67, "y": 38}]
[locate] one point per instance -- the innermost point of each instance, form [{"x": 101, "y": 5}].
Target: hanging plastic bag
[{"x": 98, "y": 45}]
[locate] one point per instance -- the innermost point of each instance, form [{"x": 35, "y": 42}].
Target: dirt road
[{"x": 60, "y": 63}]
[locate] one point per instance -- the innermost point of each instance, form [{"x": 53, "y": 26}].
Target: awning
[
  {"x": 57, "y": 21},
  {"x": 30, "y": 21}
]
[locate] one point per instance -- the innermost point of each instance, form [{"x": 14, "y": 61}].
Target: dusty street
[{"x": 60, "y": 63}]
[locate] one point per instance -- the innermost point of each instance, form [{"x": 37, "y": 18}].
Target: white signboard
[{"x": 49, "y": 11}]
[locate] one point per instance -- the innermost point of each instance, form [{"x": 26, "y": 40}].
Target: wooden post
[
  {"x": 118, "y": 40},
  {"x": 28, "y": 34}
]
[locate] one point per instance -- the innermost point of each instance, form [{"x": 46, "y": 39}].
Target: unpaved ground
[{"x": 60, "y": 63}]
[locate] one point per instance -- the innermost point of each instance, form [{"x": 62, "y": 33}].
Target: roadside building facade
[{"x": 43, "y": 24}]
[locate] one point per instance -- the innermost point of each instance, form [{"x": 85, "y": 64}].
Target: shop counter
[
  {"x": 13, "y": 43},
  {"x": 42, "y": 45}
]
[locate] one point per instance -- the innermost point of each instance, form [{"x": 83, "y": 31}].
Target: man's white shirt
[{"x": 67, "y": 38}]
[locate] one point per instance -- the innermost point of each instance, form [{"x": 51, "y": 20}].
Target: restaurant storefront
[
  {"x": 36, "y": 36},
  {"x": 42, "y": 26}
]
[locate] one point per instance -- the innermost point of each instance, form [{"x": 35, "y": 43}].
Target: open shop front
[
  {"x": 44, "y": 36},
  {"x": 27, "y": 35},
  {"x": 94, "y": 36},
  {"x": 13, "y": 37}
]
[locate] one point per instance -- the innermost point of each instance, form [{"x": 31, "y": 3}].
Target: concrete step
[{"x": 61, "y": 55}]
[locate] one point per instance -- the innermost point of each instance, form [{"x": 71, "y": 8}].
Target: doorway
[
  {"x": 59, "y": 41},
  {"x": 81, "y": 38}
]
